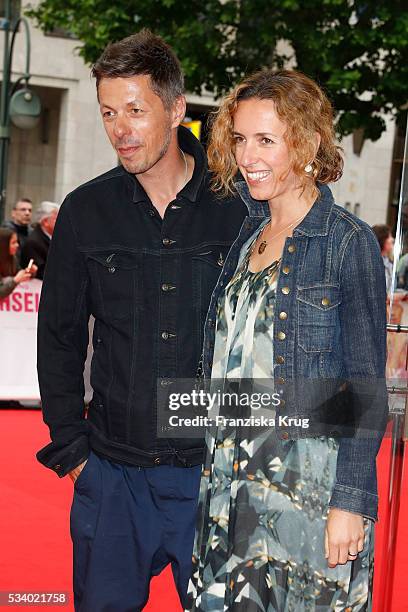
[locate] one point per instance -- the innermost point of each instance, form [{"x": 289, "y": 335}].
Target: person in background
[
  {"x": 386, "y": 242},
  {"x": 20, "y": 221},
  {"x": 10, "y": 275},
  {"x": 37, "y": 244}
]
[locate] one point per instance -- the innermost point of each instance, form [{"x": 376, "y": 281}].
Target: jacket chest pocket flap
[
  {"x": 206, "y": 268},
  {"x": 318, "y": 308},
  {"x": 119, "y": 281}
]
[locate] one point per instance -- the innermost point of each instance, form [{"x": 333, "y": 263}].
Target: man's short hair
[
  {"x": 45, "y": 209},
  {"x": 27, "y": 200},
  {"x": 143, "y": 53}
]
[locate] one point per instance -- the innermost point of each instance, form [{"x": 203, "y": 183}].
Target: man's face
[
  {"x": 21, "y": 214},
  {"x": 48, "y": 224},
  {"x": 136, "y": 121}
]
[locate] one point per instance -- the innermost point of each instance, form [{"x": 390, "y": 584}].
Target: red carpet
[{"x": 34, "y": 523}]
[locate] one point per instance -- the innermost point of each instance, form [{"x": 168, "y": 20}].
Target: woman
[
  {"x": 286, "y": 514},
  {"x": 10, "y": 276}
]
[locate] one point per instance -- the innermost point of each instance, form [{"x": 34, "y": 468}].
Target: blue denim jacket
[{"x": 331, "y": 306}]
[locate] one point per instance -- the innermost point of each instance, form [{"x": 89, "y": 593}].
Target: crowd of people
[{"x": 24, "y": 243}]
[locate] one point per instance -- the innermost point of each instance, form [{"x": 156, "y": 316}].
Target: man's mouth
[{"x": 126, "y": 151}]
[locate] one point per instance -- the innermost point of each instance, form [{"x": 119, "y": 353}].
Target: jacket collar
[{"x": 316, "y": 222}]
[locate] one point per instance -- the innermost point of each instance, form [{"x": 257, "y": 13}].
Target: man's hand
[
  {"x": 73, "y": 474},
  {"x": 344, "y": 536}
]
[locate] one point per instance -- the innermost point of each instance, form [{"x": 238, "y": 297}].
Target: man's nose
[{"x": 121, "y": 127}]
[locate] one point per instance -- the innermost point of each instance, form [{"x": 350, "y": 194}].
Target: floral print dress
[{"x": 259, "y": 544}]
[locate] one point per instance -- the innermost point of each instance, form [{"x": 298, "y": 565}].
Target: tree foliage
[{"x": 356, "y": 49}]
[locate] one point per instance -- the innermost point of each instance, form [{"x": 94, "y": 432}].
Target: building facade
[{"x": 69, "y": 146}]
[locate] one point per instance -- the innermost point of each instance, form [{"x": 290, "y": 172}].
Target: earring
[{"x": 308, "y": 168}]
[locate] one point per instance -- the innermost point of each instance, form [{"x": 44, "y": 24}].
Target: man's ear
[{"x": 178, "y": 111}]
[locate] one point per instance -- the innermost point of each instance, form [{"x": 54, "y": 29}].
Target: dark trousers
[{"x": 127, "y": 524}]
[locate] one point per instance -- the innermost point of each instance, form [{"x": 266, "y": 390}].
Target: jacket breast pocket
[
  {"x": 116, "y": 277},
  {"x": 206, "y": 269},
  {"x": 318, "y": 316}
]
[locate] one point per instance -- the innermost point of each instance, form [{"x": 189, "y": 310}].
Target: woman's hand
[
  {"x": 33, "y": 270},
  {"x": 22, "y": 276},
  {"x": 344, "y": 536}
]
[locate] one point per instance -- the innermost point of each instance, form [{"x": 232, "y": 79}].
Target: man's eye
[
  {"x": 107, "y": 114},
  {"x": 136, "y": 111}
]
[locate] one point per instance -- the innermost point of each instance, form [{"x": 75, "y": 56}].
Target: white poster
[{"x": 18, "y": 342}]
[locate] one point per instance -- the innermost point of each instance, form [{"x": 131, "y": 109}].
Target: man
[
  {"x": 140, "y": 248},
  {"x": 21, "y": 220},
  {"x": 37, "y": 244}
]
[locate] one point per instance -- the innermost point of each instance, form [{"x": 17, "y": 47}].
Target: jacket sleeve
[
  {"x": 363, "y": 333},
  {"x": 7, "y": 286},
  {"x": 62, "y": 348}
]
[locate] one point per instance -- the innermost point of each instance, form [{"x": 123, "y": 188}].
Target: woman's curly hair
[{"x": 305, "y": 109}]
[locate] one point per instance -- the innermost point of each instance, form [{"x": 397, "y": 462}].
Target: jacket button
[
  {"x": 57, "y": 467},
  {"x": 111, "y": 270},
  {"x": 280, "y": 381},
  {"x": 283, "y": 315},
  {"x": 280, "y": 359},
  {"x": 284, "y": 435},
  {"x": 281, "y": 335},
  {"x": 291, "y": 248},
  {"x": 168, "y": 241},
  {"x": 165, "y": 287},
  {"x": 285, "y": 290},
  {"x": 165, "y": 335},
  {"x": 286, "y": 269},
  {"x": 325, "y": 301},
  {"x": 165, "y": 382},
  {"x": 157, "y": 460},
  {"x": 211, "y": 323},
  {"x": 152, "y": 213}
]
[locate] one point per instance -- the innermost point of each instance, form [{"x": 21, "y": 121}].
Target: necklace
[
  {"x": 264, "y": 243},
  {"x": 185, "y": 168}
]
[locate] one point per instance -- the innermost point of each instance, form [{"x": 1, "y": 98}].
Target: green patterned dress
[{"x": 263, "y": 502}]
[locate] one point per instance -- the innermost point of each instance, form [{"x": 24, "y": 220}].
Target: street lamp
[{"x": 21, "y": 106}]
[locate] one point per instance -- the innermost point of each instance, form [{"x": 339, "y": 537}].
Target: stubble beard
[{"x": 147, "y": 164}]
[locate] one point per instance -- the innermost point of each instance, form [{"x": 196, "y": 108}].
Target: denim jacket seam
[{"x": 351, "y": 235}]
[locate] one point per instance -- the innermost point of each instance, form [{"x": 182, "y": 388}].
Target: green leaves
[{"x": 351, "y": 47}]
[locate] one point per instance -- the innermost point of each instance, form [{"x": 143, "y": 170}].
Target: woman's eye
[
  {"x": 238, "y": 139},
  {"x": 267, "y": 141},
  {"x": 136, "y": 111}
]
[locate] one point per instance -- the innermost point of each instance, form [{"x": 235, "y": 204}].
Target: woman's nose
[{"x": 247, "y": 155}]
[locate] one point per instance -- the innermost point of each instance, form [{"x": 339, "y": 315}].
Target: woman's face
[
  {"x": 388, "y": 246},
  {"x": 261, "y": 152},
  {"x": 13, "y": 244}
]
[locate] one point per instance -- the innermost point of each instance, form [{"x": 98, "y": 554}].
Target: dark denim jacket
[{"x": 331, "y": 307}]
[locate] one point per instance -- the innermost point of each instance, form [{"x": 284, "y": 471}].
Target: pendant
[{"x": 262, "y": 247}]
